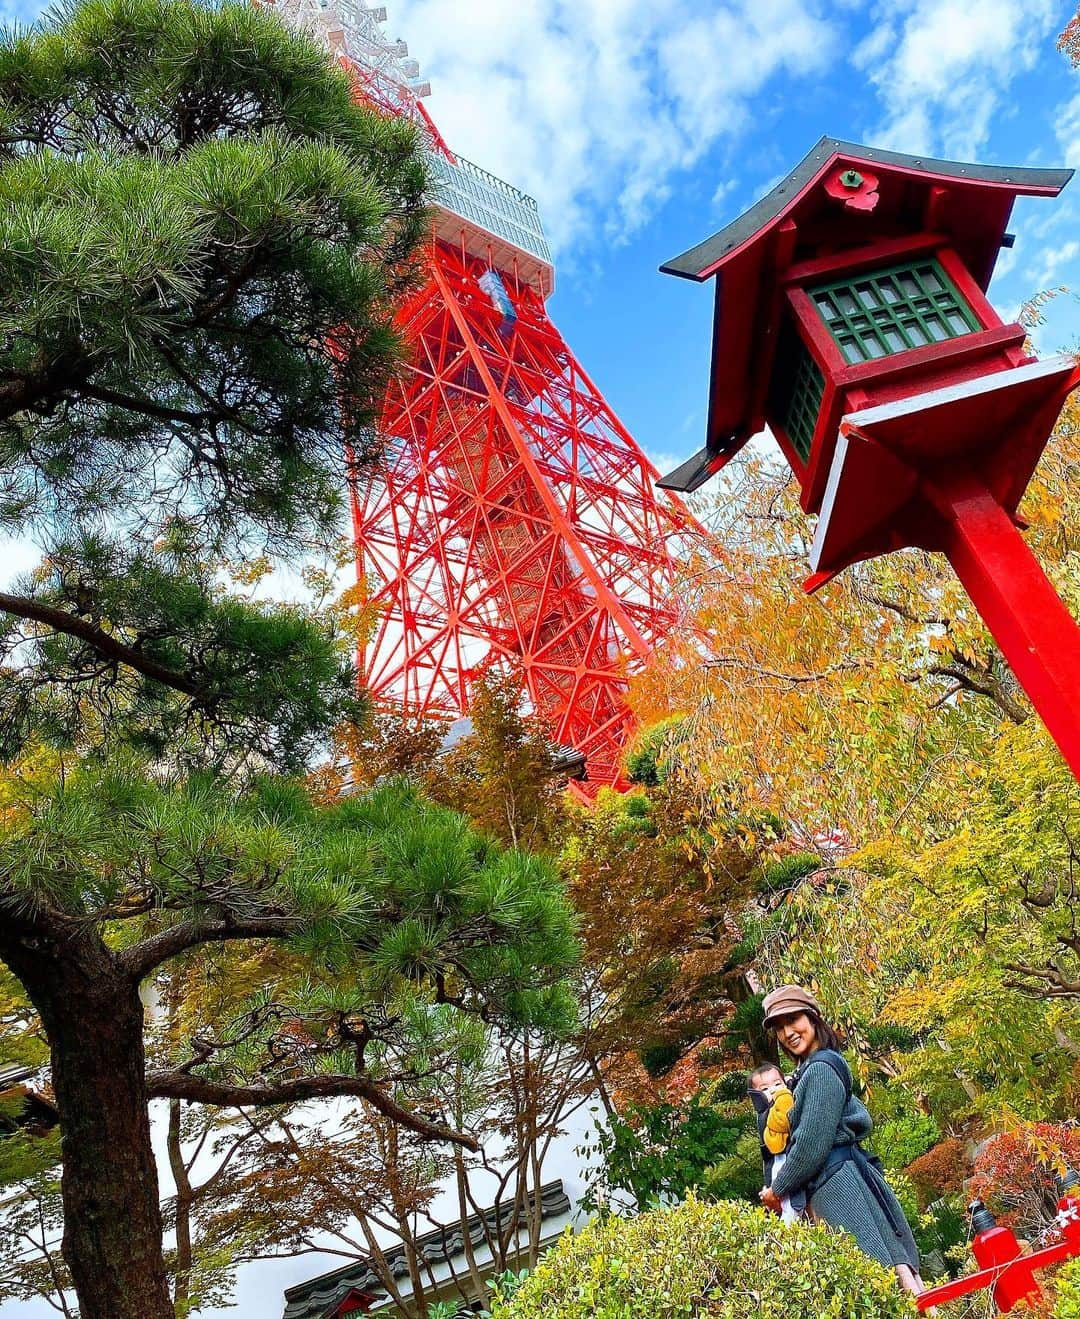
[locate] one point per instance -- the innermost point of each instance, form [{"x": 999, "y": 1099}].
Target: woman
[{"x": 824, "y": 1158}]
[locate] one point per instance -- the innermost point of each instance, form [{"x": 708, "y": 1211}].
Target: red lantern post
[
  {"x": 851, "y": 318},
  {"x": 1004, "y": 1270}
]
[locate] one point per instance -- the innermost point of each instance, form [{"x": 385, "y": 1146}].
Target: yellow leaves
[
  {"x": 357, "y": 615},
  {"x": 34, "y": 772},
  {"x": 250, "y": 572},
  {"x": 846, "y": 709}
]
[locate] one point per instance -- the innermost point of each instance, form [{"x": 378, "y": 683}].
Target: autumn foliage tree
[
  {"x": 847, "y": 708},
  {"x": 502, "y": 773},
  {"x": 656, "y": 886},
  {"x": 1069, "y": 41},
  {"x": 878, "y": 725},
  {"x": 1017, "y": 1172},
  {"x": 942, "y": 918},
  {"x": 501, "y": 769}
]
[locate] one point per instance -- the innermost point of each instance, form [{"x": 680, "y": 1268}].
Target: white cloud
[
  {"x": 596, "y": 106},
  {"x": 723, "y": 190},
  {"x": 942, "y": 68},
  {"x": 1054, "y": 263},
  {"x": 1067, "y": 128}
]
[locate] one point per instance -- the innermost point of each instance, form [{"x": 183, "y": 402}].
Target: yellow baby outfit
[{"x": 778, "y": 1123}]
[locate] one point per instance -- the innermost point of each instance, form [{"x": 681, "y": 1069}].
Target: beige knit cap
[{"x": 789, "y": 1001}]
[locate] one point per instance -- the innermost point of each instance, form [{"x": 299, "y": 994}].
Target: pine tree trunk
[{"x": 93, "y": 1019}]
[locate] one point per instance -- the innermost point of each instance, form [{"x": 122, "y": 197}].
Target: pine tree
[{"x": 201, "y": 239}]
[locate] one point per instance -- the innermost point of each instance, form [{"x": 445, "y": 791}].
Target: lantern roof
[{"x": 868, "y": 196}]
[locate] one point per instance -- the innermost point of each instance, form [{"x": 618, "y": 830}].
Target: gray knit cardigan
[{"x": 822, "y": 1118}]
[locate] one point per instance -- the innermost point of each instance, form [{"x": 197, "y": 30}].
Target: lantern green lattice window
[
  {"x": 892, "y": 310},
  {"x": 798, "y": 387}
]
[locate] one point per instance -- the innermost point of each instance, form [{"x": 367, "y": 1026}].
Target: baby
[{"x": 772, "y": 1102}]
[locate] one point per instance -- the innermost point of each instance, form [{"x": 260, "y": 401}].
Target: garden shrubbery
[
  {"x": 940, "y": 1171},
  {"x": 1067, "y": 1297},
  {"x": 725, "y": 1261}
]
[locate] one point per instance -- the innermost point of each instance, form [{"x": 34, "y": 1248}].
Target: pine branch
[
  {"x": 36, "y": 924},
  {"x": 198, "y": 1090},
  {"x": 141, "y": 958},
  {"x": 101, "y": 641},
  {"x": 147, "y": 407},
  {"x": 41, "y": 389}
]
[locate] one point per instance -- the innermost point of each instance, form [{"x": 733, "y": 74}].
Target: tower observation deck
[{"x": 512, "y": 521}]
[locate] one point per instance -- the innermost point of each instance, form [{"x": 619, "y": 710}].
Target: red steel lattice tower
[{"x": 513, "y": 520}]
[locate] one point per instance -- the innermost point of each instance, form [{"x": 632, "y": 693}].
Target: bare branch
[
  {"x": 1054, "y": 984},
  {"x": 982, "y": 684},
  {"x": 906, "y": 612}
]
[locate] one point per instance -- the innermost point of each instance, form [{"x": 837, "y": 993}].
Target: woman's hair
[{"x": 825, "y": 1035}]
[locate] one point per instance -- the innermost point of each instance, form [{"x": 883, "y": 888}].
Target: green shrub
[
  {"x": 661, "y": 1151},
  {"x": 725, "y": 1261},
  {"x": 649, "y": 759},
  {"x": 902, "y": 1139},
  {"x": 746, "y": 1020},
  {"x": 739, "y": 1175},
  {"x": 938, "y": 1229},
  {"x": 659, "y": 1059},
  {"x": 730, "y": 1088},
  {"x": 785, "y": 874},
  {"x": 887, "y": 1037},
  {"x": 1067, "y": 1296}
]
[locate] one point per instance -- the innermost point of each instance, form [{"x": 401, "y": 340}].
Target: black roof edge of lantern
[
  {"x": 688, "y": 476},
  {"x": 695, "y": 261}
]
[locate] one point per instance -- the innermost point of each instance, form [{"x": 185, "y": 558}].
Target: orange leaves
[
  {"x": 1015, "y": 1171},
  {"x": 1069, "y": 41},
  {"x": 653, "y": 911}
]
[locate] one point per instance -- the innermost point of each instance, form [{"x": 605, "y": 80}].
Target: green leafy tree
[
  {"x": 32, "y": 1265},
  {"x": 953, "y": 963},
  {"x": 658, "y": 1152}
]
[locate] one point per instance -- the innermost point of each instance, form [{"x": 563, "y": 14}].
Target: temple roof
[{"x": 321, "y": 1297}]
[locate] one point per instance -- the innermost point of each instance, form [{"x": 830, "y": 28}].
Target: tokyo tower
[{"x": 512, "y": 520}]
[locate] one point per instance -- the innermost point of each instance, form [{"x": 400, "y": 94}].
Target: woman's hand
[{"x": 771, "y": 1200}]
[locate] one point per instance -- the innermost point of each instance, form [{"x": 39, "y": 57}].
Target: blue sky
[{"x": 642, "y": 126}]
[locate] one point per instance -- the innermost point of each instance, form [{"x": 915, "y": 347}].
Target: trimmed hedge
[{"x": 725, "y": 1261}]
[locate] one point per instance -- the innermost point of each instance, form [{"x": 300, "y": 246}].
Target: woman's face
[{"x": 797, "y": 1034}]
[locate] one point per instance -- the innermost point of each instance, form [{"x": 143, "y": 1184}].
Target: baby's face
[{"x": 771, "y": 1084}]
